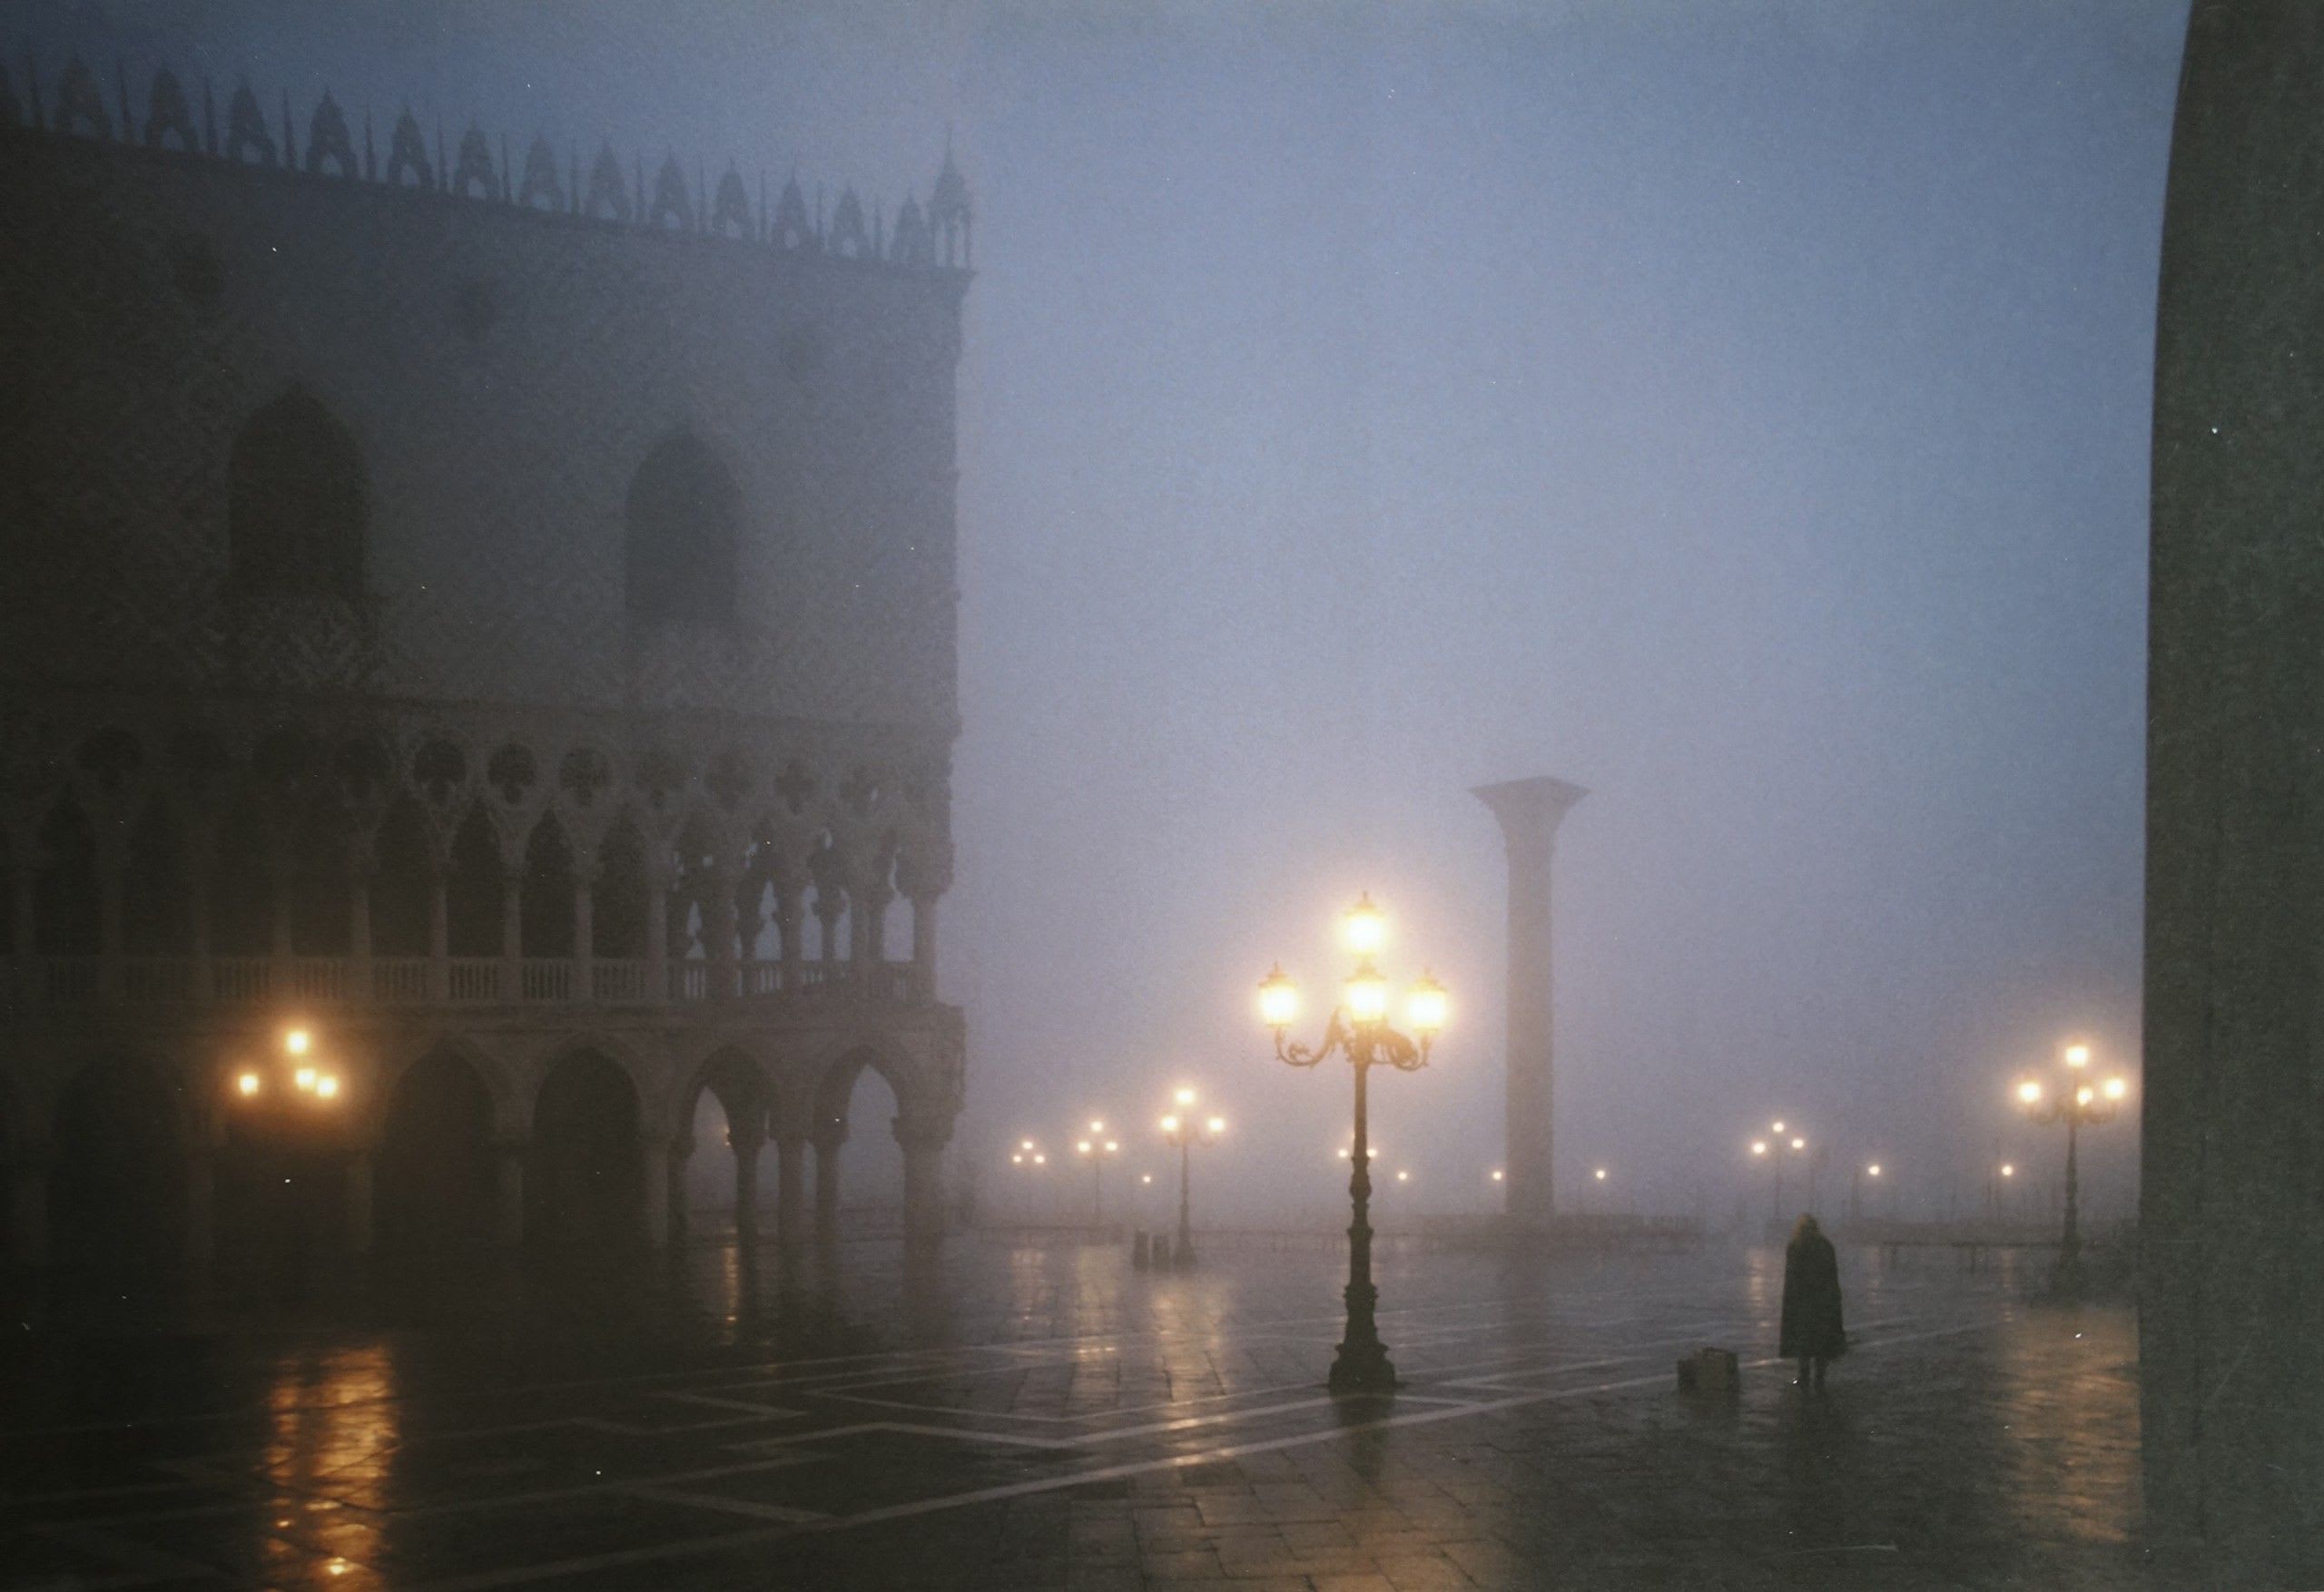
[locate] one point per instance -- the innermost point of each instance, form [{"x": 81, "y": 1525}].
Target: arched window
[
  {"x": 683, "y": 521},
  {"x": 295, "y": 502}
]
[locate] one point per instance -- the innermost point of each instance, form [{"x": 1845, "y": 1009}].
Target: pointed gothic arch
[{"x": 296, "y": 502}]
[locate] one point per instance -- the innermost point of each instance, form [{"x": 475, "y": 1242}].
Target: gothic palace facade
[{"x": 492, "y": 618}]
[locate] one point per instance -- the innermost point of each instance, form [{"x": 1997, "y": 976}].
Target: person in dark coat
[{"x": 1812, "y": 1333}]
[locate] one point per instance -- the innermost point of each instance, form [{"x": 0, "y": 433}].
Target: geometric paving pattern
[{"x": 1046, "y": 1416}]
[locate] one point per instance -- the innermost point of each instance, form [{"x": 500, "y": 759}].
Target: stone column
[
  {"x": 359, "y": 1203},
  {"x": 28, "y": 1204},
  {"x": 508, "y": 1192},
  {"x": 439, "y": 935},
  {"x": 790, "y": 1190},
  {"x": 201, "y": 1235},
  {"x": 789, "y": 912},
  {"x": 720, "y": 932},
  {"x": 923, "y": 1140},
  {"x": 585, "y": 933},
  {"x": 745, "y": 1136},
  {"x": 657, "y": 937},
  {"x": 923, "y": 945},
  {"x": 828, "y": 908},
  {"x": 654, "y": 1156},
  {"x": 674, "y": 1198},
  {"x": 512, "y": 933},
  {"x": 2231, "y": 1211},
  {"x": 1529, "y": 811},
  {"x": 827, "y": 1145}
]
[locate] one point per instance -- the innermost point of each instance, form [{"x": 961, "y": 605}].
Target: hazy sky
[{"x": 1739, "y": 410}]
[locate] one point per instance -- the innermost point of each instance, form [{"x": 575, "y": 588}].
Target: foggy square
[{"x": 1297, "y": 794}]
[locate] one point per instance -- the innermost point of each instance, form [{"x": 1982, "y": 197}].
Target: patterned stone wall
[{"x": 503, "y": 372}]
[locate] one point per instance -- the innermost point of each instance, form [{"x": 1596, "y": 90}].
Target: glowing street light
[
  {"x": 1096, "y": 1151},
  {"x": 2083, "y": 1104},
  {"x": 1358, "y": 1028},
  {"x": 248, "y": 1083},
  {"x": 1182, "y": 1131}
]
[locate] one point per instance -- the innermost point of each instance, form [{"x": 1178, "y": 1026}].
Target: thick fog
[{"x": 1741, "y": 410}]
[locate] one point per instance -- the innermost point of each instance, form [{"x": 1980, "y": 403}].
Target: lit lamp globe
[
  {"x": 1427, "y": 1007},
  {"x": 1367, "y": 994},
  {"x": 2116, "y": 1088},
  {"x": 1278, "y": 998},
  {"x": 2029, "y": 1092},
  {"x": 1365, "y": 926}
]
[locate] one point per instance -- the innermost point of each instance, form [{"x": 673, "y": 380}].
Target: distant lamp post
[
  {"x": 1181, "y": 1132},
  {"x": 2080, "y": 1104},
  {"x": 1772, "y": 1151},
  {"x": 1094, "y": 1151},
  {"x": 1358, "y": 1028}
]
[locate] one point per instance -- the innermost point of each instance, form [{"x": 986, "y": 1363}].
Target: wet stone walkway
[{"x": 1046, "y": 1416}]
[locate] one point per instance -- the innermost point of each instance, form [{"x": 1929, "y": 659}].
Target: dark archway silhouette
[
  {"x": 683, "y": 521},
  {"x": 295, "y": 502},
  {"x": 583, "y": 1181},
  {"x": 434, "y": 1176}
]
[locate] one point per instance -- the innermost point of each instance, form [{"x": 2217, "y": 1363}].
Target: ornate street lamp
[
  {"x": 1358, "y": 1029},
  {"x": 1181, "y": 1130},
  {"x": 297, "y": 1082},
  {"x": 1095, "y": 1150},
  {"x": 2080, "y": 1103},
  {"x": 1772, "y": 1152}
]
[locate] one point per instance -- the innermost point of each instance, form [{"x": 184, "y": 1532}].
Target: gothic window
[
  {"x": 401, "y": 886},
  {"x": 545, "y": 925},
  {"x": 472, "y": 887},
  {"x": 684, "y": 522},
  {"x": 241, "y": 886},
  {"x": 295, "y": 502},
  {"x": 157, "y": 907},
  {"x": 322, "y": 883},
  {"x": 620, "y": 901}
]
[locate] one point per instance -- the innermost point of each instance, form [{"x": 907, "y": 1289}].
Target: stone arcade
[{"x": 499, "y": 615}]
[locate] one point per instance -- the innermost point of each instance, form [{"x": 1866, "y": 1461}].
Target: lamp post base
[{"x": 1362, "y": 1368}]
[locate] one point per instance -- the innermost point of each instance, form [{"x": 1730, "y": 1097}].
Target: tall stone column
[
  {"x": 654, "y": 1161},
  {"x": 585, "y": 930},
  {"x": 790, "y": 1190},
  {"x": 2232, "y": 1210},
  {"x": 508, "y": 1192},
  {"x": 827, "y": 1144},
  {"x": 923, "y": 1140},
  {"x": 745, "y": 1136},
  {"x": 1529, "y": 811},
  {"x": 439, "y": 934}
]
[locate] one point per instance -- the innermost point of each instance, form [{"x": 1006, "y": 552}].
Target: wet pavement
[{"x": 1044, "y": 1416}]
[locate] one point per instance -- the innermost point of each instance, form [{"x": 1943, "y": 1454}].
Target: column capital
[{"x": 1530, "y": 810}]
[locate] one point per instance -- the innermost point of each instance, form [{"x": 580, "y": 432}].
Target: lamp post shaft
[
  {"x": 1362, "y": 1365},
  {"x": 2070, "y": 1243},
  {"x": 1186, "y": 1222}
]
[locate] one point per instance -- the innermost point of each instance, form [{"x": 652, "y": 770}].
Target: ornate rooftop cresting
[{"x": 936, "y": 237}]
